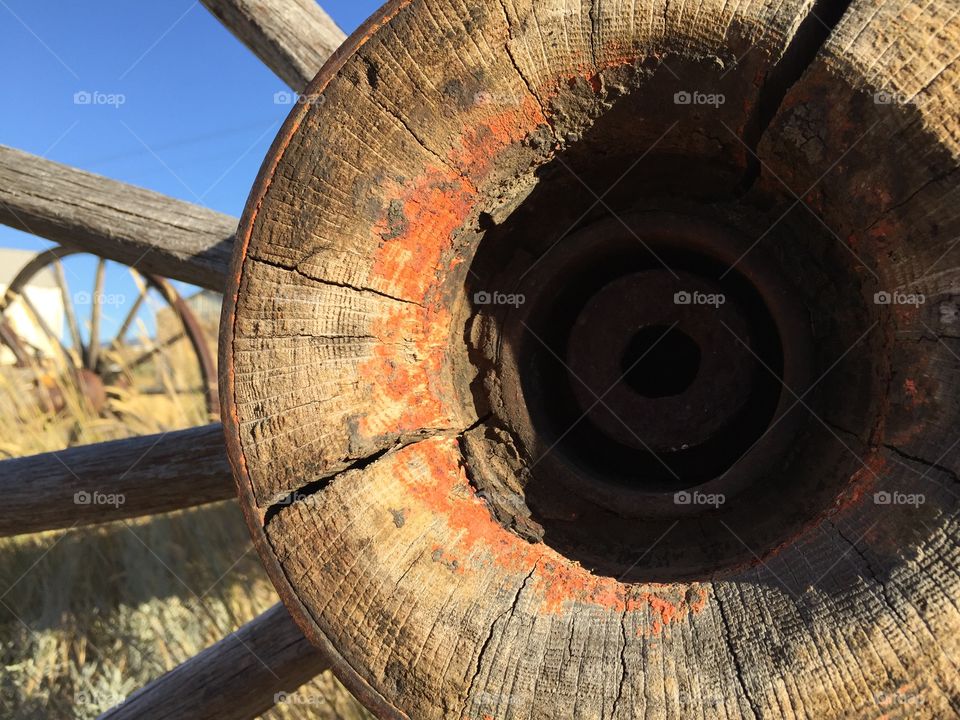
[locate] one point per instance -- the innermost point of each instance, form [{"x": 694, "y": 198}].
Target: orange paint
[
  {"x": 418, "y": 227},
  {"x": 440, "y": 488},
  {"x": 405, "y": 373},
  {"x": 416, "y": 253},
  {"x": 697, "y": 605},
  {"x": 482, "y": 144},
  {"x": 882, "y": 229},
  {"x": 862, "y": 481},
  {"x": 915, "y": 395},
  {"x": 910, "y": 388},
  {"x": 416, "y": 237},
  {"x": 408, "y": 261}
]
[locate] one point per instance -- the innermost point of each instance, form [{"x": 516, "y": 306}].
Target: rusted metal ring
[{"x": 758, "y": 309}]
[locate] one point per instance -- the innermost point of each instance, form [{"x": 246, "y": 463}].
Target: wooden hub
[{"x": 502, "y": 448}]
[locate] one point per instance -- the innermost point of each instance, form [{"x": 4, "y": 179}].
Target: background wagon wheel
[
  {"x": 156, "y": 344},
  {"x": 426, "y": 301}
]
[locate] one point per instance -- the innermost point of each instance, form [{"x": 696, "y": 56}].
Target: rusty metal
[
  {"x": 563, "y": 353},
  {"x": 599, "y": 347},
  {"x": 208, "y": 369}
]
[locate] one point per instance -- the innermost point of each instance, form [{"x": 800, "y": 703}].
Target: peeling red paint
[
  {"x": 481, "y": 144},
  {"x": 416, "y": 238},
  {"x": 882, "y": 229},
  {"x": 409, "y": 259},
  {"x": 407, "y": 265}
]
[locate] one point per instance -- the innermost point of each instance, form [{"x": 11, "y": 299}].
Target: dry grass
[{"x": 89, "y": 615}]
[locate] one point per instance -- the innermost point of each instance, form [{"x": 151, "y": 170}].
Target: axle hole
[{"x": 660, "y": 361}]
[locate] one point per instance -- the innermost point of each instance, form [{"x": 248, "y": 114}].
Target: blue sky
[{"x": 197, "y": 113}]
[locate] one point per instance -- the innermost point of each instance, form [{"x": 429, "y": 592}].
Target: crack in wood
[
  {"x": 295, "y": 268},
  {"x": 934, "y": 465},
  {"x": 508, "y": 614},
  {"x": 311, "y": 488},
  {"x": 371, "y": 67},
  {"x": 623, "y": 663},
  {"x": 801, "y": 51},
  {"x": 737, "y": 666},
  {"x": 520, "y": 73}
]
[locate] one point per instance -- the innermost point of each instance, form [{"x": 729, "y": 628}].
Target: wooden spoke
[
  {"x": 9, "y": 338},
  {"x": 114, "y": 480},
  {"x": 196, "y": 336},
  {"x": 153, "y": 348},
  {"x": 131, "y": 225},
  {"x": 146, "y": 355},
  {"x": 68, "y": 308},
  {"x": 100, "y": 373},
  {"x": 238, "y": 678},
  {"x": 292, "y": 37},
  {"x": 96, "y": 309},
  {"x": 134, "y": 309}
]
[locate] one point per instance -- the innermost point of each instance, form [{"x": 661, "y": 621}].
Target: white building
[{"x": 43, "y": 292}]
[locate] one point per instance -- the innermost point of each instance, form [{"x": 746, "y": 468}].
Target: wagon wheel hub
[
  {"x": 653, "y": 366},
  {"x": 570, "y": 351},
  {"x": 649, "y": 363},
  {"x": 500, "y": 446}
]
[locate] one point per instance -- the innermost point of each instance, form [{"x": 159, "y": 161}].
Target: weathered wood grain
[
  {"x": 238, "y": 678},
  {"x": 292, "y": 37},
  {"x": 888, "y": 187},
  {"x": 343, "y": 331},
  {"x": 114, "y": 480},
  {"x": 144, "y": 229}
]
